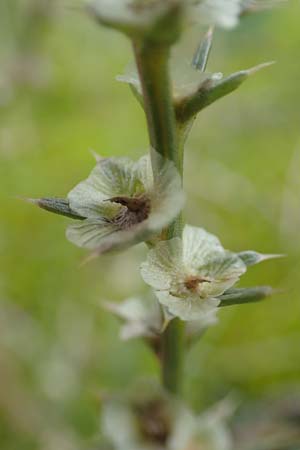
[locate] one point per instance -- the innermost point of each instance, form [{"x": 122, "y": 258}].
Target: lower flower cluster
[{"x": 151, "y": 419}]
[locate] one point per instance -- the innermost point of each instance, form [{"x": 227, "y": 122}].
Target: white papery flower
[
  {"x": 146, "y": 318},
  {"x": 224, "y": 13},
  {"x": 151, "y": 419},
  {"x": 137, "y": 18},
  {"x": 122, "y": 205},
  {"x": 141, "y": 317},
  {"x": 189, "y": 274}
]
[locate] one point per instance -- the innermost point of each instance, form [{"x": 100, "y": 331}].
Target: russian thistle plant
[{"x": 125, "y": 202}]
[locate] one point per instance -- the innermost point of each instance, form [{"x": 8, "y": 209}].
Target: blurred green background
[{"x": 58, "y": 98}]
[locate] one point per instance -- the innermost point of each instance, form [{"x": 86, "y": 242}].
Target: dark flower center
[
  {"x": 192, "y": 283},
  {"x": 137, "y": 210},
  {"x": 139, "y": 6},
  {"x": 154, "y": 422}
]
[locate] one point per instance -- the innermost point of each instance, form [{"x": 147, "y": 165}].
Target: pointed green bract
[
  {"x": 251, "y": 258},
  {"x": 245, "y": 295},
  {"x": 211, "y": 90},
  {"x": 59, "y": 206}
]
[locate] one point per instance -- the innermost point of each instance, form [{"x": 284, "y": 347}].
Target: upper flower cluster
[{"x": 148, "y": 18}]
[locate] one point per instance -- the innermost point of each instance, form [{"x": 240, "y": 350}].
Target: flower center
[
  {"x": 192, "y": 283},
  {"x": 142, "y": 5},
  {"x": 137, "y": 210},
  {"x": 154, "y": 422}
]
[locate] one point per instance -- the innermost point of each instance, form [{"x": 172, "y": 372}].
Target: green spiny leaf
[
  {"x": 57, "y": 206},
  {"x": 245, "y": 295},
  {"x": 212, "y": 90},
  {"x": 250, "y": 258}
]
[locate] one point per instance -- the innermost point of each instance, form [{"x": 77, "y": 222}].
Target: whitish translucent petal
[
  {"x": 251, "y": 258},
  {"x": 131, "y": 77},
  {"x": 102, "y": 237},
  {"x": 130, "y": 16},
  {"x": 195, "y": 328},
  {"x": 119, "y": 425},
  {"x": 113, "y": 12},
  {"x": 184, "y": 427},
  {"x": 97, "y": 210},
  {"x": 224, "y": 272},
  {"x": 167, "y": 197},
  {"x": 142, "y": 317},
  {"x": 163, "y": 264},
  {"x": 187, "y": 308},
  {"x": 200, "y": 247},
  {"x": 90, "y": 233},
  {"x": 133, "y": 309},
  {"x": 132, "y": 330},
  {"x": 185, "y": 78},
  {"x": 110, "y": 178},
  {"x": 224, "y": 13},
  {"x": 212, "y": 431},
  {"x": 144, "y": 172}
]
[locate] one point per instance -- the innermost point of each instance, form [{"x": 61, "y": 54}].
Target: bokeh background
[{"x": 59, "y": 350}]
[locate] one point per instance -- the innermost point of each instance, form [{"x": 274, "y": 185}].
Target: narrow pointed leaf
[
  {"x": 245, "y": 295},
  {"x": 212, "y": 90},
  {"x": 202, "y": 53},
  {"x": 57, "y": 206},
  {"x": 251, "y": 258}
]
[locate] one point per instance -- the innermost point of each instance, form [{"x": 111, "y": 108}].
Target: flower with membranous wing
[
  {"x": 144, "y": 317},
  {"x": 224, "y": 13},
  {"x": 140, "y": 18},
  {"x": 122, "y": 204},
  {"x": 189, "y": 274},
  {"x": 148, "y": 418}
]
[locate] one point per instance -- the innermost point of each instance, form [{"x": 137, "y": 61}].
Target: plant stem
[
  {"x": 152, "y": 63},
  {"x": 173, "y": 351}
]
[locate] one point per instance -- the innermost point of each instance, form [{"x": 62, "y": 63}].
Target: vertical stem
[
  {"x": 173, "y": 351},
  {"x": 152, "y": 63}
]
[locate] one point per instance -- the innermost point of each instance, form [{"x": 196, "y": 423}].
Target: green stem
[
  {"x": 173, "y": 351},
  {"x": 152, "y": 64}
]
